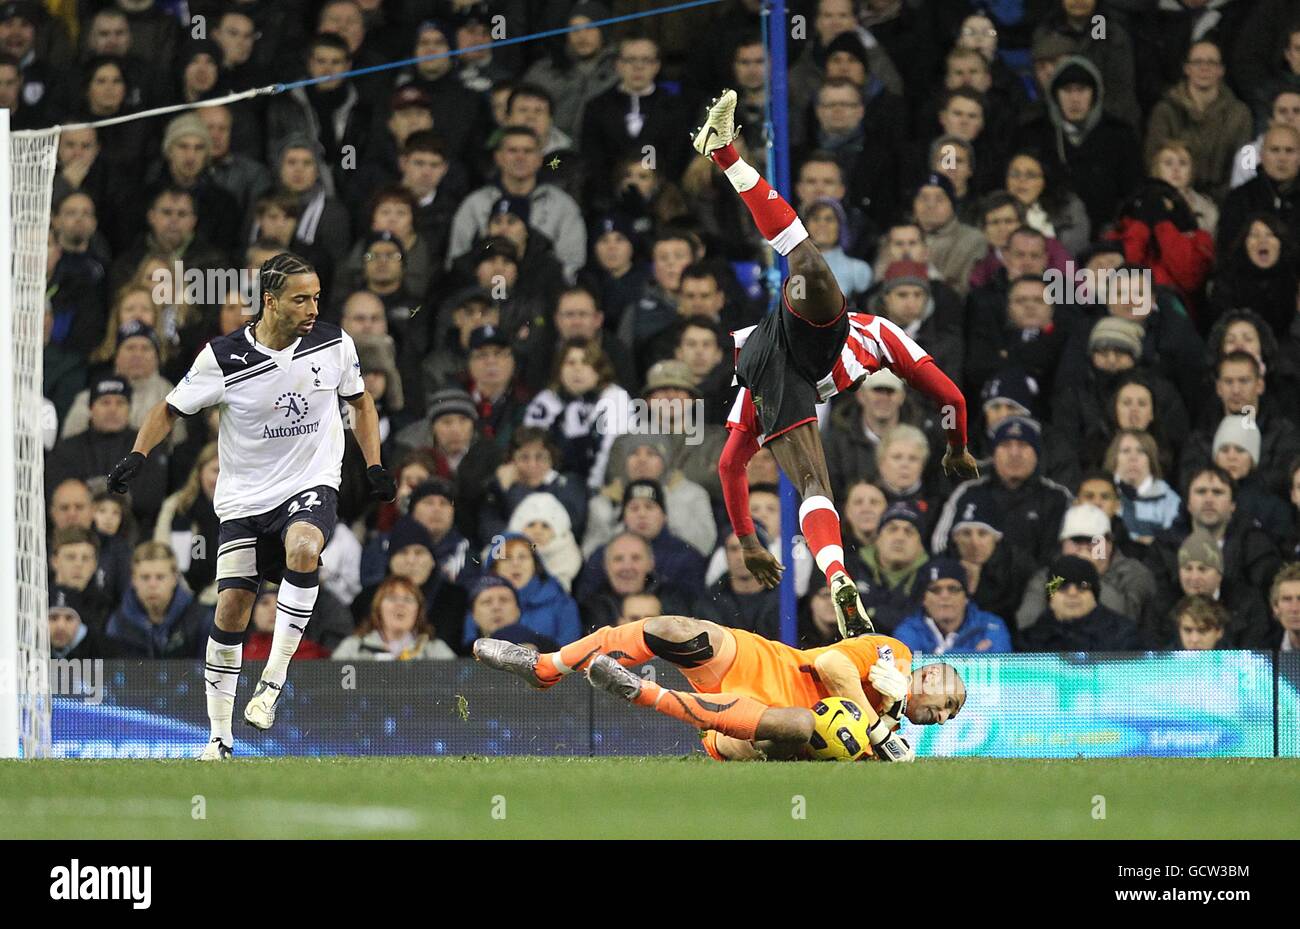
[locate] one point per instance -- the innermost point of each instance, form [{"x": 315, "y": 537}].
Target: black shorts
[
  {"x": 251, "y": 548},
  {"x": 781, "y": 363}
]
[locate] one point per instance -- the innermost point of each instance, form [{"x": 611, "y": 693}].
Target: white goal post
[{"x": 27, "y": 164}]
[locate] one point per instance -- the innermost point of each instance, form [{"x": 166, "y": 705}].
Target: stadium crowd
[{"x": 527, "y": 253}]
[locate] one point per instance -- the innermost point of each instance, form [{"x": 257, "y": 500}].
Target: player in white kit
[{"x": 278, "y": 381}]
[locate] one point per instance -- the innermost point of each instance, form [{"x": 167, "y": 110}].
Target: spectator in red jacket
[{"x": 1159, "y": 231}]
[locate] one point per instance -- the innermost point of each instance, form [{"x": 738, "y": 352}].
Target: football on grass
[{"x": 839, "y": 730}]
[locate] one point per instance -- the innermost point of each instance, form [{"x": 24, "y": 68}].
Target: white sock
[
  {"x": 742, "y": 175},
  {"x": 294, "y": 603},
  {"x": 220, "y": 678},
  {"x": 789, "y": 237}
]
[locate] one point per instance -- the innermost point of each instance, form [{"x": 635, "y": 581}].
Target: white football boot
[
  {"x": 260, "y": 712},
  {"x": 216, "y": 750},
  {"x": 719, "y": 127}
]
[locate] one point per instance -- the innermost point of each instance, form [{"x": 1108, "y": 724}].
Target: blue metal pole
[{"x": 778, "y": 175}]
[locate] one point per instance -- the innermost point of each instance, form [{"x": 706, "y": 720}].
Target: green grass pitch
[{"x": 649, "y": 798}]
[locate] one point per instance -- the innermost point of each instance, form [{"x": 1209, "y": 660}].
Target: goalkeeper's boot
[
  {"x": 719, "y": 127},
  {"x": 216, "y": 750},
  {"x": 607, "y": 674},
  {"x": 517, "y": 659},
  {"x": 260, "y": 712},
  {"x": 849, "y": 612}
]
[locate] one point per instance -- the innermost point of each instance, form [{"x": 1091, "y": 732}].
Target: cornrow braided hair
[{"x": 274, "y": 275}]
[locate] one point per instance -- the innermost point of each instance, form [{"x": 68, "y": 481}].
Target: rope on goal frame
[{"x": 272, "y": 89}]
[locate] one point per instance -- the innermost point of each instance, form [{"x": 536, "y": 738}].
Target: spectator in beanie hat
[
  {"x": 996, "y": 572},
  {"x": 1240, "y": 390},
  {"x": 432, "y": 504},
  {"x": 1029, "y": 506},
  {"x": 1200, "y": 573},
  {"x": 70, "y": 637},
  {"x": 948, "y": 622},
  {"x": 1011, "y": 392},
  {"x": 694, "y": 446},
  {"x": 545, "y": 607},
  {"x": 545, "y": 522},
  {"x": 186, "y": 156},
  {"x": 92, "y": 454},
  {"x": 1237, "y": 445},
  {"x": 448, "y": 434},
  {"x": 895, "y": 562},
  {"x": 539, "y": 275},
  {"x": 411, "y": 556},
  {"x": 617, "y": 272},
  {"x": 1081, "y": 426},
  {"x": 1127, "y": 585},
  {"x": 954, "y": 247},
  {"x": 494, "y": 611},
  {"x": 136, "y": 358},
  {"x": 690, "y": 512},
  {"x": 644, "y": 514},
  {"x": 1074, "y": 621}
]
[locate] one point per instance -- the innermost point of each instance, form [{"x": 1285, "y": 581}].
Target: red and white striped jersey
[{"x": 873, "y": 343}]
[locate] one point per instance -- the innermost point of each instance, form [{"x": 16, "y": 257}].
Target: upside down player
[
  {"x": 759, "y": 691},
  {"x": 808, "y": 352}
]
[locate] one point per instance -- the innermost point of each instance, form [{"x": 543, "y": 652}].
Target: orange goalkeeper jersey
[{"x": 780, "y": 675}]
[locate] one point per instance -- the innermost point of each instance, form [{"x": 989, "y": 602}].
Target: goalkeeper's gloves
[
  {"x": 888, "y": 744},
  {"x": 382, "y": 485},
  {"x": 889, "y": 682},
  {"x": 125, "y": 471},
  {"x": 895, "y": 749}
]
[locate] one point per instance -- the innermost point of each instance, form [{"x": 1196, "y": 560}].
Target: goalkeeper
[{"x": 759, "y": 691}]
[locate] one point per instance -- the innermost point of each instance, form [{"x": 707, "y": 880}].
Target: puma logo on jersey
[{"x": 243, "y": 359}]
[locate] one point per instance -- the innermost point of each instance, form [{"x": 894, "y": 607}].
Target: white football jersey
[{"x": 281, "y": 427}]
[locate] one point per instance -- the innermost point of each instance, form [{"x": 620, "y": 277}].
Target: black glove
[
  {"x": 382, "y": 485},
  {"x": 124, "y": 472}
]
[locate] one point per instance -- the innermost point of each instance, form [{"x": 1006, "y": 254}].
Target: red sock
[
  {"x": 725, "y": 157},
  {"x": 772, "y": 215},
  {"x": 821, "y": 529}
]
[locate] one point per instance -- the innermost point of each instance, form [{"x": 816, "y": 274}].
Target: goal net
[{"x": 26, "y": 179}]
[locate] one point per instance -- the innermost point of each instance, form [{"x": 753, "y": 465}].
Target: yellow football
[{"x": 839, "y": 730}]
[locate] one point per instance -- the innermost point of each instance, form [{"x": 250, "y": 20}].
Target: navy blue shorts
[{"x": 250, "y": 549}]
